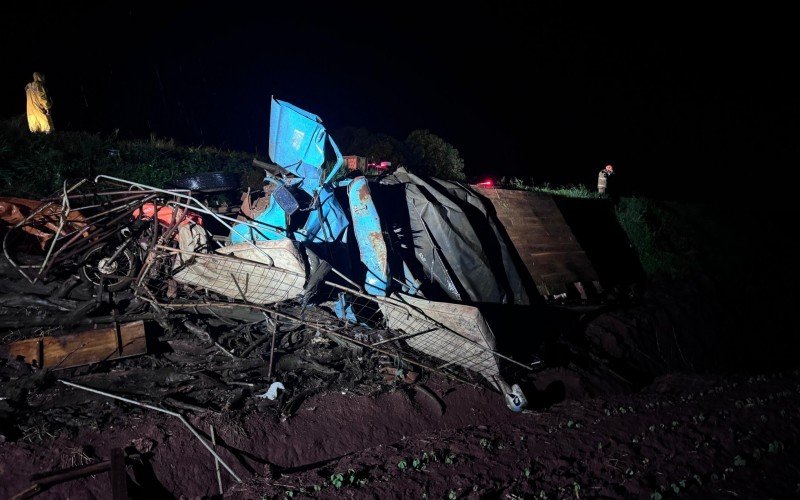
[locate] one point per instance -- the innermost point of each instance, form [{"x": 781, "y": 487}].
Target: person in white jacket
[{"x": 602, "y": 179}]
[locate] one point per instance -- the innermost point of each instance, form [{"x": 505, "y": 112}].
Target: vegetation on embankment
[{"x": 36, "y": 165}]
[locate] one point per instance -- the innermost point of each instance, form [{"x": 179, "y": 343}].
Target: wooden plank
[
  {"x": 118, "y": 477},
  {"x": 565, "y": 263},
  {"x": 543, "y": 239},
  {"x": 82, "y": 348},
  {"x": 571, "y": 255}
]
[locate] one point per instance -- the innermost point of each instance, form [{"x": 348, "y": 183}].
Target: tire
[
  {"x": 115, "y": 275},
  {"x": 207, "y": 182}
]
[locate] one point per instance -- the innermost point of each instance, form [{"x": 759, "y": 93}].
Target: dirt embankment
[{"x": 685, "y": 435}]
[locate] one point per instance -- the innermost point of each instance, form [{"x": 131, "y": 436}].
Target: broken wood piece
[
  {"x": 83, "y": 348},
  {"x": 117, "y": 475},
  {"x": 43, "y": 480}
]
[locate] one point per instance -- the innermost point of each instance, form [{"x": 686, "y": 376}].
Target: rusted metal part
[
  {"x": 369, "y": 236},
  {"x": 166, "y": 214},
  {"x": 37, "y": 219},
  {"x": 74, "y": 230},
  {"x": 83, "y": 239}
]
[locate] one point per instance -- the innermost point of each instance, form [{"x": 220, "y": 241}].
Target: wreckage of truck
[{"x": 396, "y": 265}]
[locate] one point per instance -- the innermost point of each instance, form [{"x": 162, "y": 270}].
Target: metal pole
[{"x": 162, "y": 410}]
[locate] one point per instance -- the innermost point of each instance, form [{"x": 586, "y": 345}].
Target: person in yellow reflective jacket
[{"x": 39, "y": 119}]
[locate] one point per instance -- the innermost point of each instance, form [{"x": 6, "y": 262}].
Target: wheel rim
[{"x": 98, "y": 266}]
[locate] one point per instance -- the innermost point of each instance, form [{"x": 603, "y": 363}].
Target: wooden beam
[
  {"x": 118, "y": 476},
  {"x": 82, "y": 348}
]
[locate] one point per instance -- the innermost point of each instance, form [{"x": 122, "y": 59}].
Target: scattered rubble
[{"x": 152, "y": 297}]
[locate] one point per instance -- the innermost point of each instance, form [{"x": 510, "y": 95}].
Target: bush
[{"x": 36, "y": 165}]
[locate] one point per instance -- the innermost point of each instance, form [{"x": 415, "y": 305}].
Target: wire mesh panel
[
  {"x": 459, "y": 334},
  {"x": 240, "y": 272}
]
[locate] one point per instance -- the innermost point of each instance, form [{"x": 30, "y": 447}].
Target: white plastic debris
[
  {"x": 272, "y": 392},
  {"x": 516, "y": 400}
]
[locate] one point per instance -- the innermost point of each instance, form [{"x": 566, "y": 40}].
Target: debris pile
[{"x": 316, "y": 283}]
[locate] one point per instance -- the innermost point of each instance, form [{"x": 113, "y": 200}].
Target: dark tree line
[{"x": 422, "y": 152}]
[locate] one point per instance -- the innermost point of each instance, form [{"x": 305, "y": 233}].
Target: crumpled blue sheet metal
[
  {"x": 297, "y": 143},
  {"x": 270, "y": 224},
  {"x": 326, "y": 223}
]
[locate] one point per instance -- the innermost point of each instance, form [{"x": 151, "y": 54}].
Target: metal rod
[
  {"x": 27, "y": 219},
  {"x": 199, "y": 206},
  {"x": 62, "y": 220},
  {"x": 407, "y": 335},
  {"x": 274, "y": 328},
  {"x": 216, "y": 461},
  {"x": 162, "y": 410}
]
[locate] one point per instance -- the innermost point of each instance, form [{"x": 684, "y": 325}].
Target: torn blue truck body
[
  {"x": 297, "y": 142},
  {"x": 435, "y": 236},
  {"x": 424, "y": 249}
]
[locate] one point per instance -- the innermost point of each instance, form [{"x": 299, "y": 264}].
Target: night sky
[{"x": 685, "y": 104}]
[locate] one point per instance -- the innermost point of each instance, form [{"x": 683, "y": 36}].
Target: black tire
[
  {"x": 207, "y": 182},
  {"x": 119, "y": 272}
]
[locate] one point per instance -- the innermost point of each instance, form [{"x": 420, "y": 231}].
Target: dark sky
[{"x": 680, "y": 101}]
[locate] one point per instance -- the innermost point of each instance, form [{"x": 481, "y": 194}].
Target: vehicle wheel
[
  {"x": 97, "y": 265},
  {"x": 207, "y": 182}
]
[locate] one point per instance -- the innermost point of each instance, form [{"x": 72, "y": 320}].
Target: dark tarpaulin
[{"x": 454, "y": 241}]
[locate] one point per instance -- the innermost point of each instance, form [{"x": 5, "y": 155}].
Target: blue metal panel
[
  {"x": 369, "y": 236},
  {"x": 297, "y": 143},
  {"x": 325, "y": 223},
  {"x": 270, "y": 225},
  {"x": 339, "y": 161},
  {"x": 344, "y": 309}
]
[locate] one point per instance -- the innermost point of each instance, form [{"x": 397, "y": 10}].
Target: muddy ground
[
  {"x": 648, "y": 396},
  {"x": 685, "y": 435}
]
